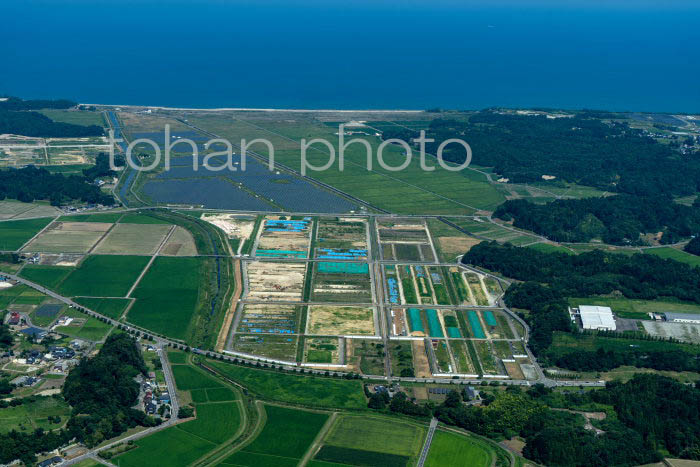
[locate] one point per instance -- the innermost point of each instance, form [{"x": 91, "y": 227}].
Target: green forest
[
  {"x": 34, "y": 183},
  {"x": 618, "y": 220},
  {"x": 547, "y": 279}
]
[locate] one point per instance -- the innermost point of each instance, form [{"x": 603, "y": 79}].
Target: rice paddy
[{"x": 14, "y": 234}]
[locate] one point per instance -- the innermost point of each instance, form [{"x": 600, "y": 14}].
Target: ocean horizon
[{"x": 619, "y": 56}]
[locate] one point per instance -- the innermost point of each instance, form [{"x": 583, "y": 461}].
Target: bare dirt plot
[
  {"x": 685, "y": 332},
  {"x": 398, "y": 319},
  {"x": 133, "y": 239},
  {"x": 19, "y": 210},
  {"x": 275, "y": 281},
  {"x": 454, "y": 246},
  {"x": 513, "y": 370},
  {"x": 340, "y": 320},
  {"x": 420, "y": 359},
  {"x": 233, "y": 226},
  {"x": 180, "y": 243},
  {"x": 69, "y": 237},
  {"x": 61, "y": 259}
]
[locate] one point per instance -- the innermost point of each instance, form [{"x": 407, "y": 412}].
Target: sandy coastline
[{"x": 250, "y": 109}]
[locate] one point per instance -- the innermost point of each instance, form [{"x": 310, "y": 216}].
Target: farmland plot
[
  {"x": 68, "y": 237},
  {"x": 284, "y": 439},
  {"x": 341, "y": 238},
  {"x": 267, "y": 345},
  {"x": 341, "y": 282},
  {"x": 405, "y": 240},
  {"x": 275, "y": 281},
  {"x": 269, "y": 319},
  {"x": 340, "y": 320},
  {"x": 322, "y": 350},
  {"x": 284, "y": 238},
  {"x": 134, "y": 239},
  {"x": 14, "y": 234}
]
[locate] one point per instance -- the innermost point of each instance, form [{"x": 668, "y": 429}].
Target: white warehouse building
[{"x": 597, "y": 317}]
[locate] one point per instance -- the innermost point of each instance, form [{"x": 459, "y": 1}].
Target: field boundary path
[
  {"x": 428, "y": 441},
  {"x": 153, "y": 258},
  {"x": 318, "y": 440},
  {"x": 233, "y": 307}
]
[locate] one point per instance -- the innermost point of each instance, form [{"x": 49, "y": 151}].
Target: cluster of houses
[{"x": 153, "y": 399}]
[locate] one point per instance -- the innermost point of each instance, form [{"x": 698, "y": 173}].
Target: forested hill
[
  {"x": 15, "y": 103},
  {"x": 31, "y": 183},
  {"x": 583, "y": 149},
  {"x": 549, "y": 278},
  {"x": 617, "y": 219},
  {"x": 38, "y": 125},
  {"x": 592, "y": 273}
]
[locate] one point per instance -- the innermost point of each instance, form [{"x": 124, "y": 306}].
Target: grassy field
[
  {"x": 565, "y": 343},
  {"x": 188, "y": 377},
  {"x": 76, "y": 117},
  {"x": 166, "y": 297},
  {"x": 295, "y": 389},
  {"x": 637, "y": 309},
  {"x": 170, "y": 447},
  {"x": 453, "y": 450},
  {"x": 108, "y": 217},
  {"x": 48, "y": 276},
  {"x": 133, "y": 239},
  {"x": 216, "y": 422},
  {"x": 377, "y": 435},
  {"x": 91, "y": 329},
  {"x": 412, "y": 190},
  {"x": 550, "y": 248},
  {"x": 676, "y": 254},
  {"x": 286, "y": 436},
  {"x": 14, "y": 234},
  {"x": 32, "y": 415},
  {"x": 103, "y": 276},
  {"x": 112, "y": 307},
  {"x": 137, "y": 218}
]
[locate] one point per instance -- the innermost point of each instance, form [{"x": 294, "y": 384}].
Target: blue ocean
[{"x": 414, "y": 54}]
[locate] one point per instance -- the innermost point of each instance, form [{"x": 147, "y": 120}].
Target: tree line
[
  {"x": 583, "y": 149},
  {"x": 29, "y": 123},
  {"x": 16, "y": 103},
  {"x": 548, "y": 278},
  {"x": 31, "y": 183},
  {"x": 617, "y": 220}
]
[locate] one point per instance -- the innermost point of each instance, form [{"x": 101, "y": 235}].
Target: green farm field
[
  {"x": 676, "y": 254},
  {"x": 565, "y": 342},
  {"x": 287, "y": 435},
  {"x": 216, "y": 421},
  {"x": 103, "y": 276},
  {"x": 76, "y": 117},
  {"x": 91, "y": 328},
  {"x": 137, "y": 218},
  {"x": 14, "y": 234},
  {"x": 112, "y": 307},
  {"x": 188, "y": 377},
  {"x": 453, "y": 450},
  {"x": 166, "y": 297},
  {"x": 48, "y": 276},
  {"x": 377, "y": 435},
  {"x": 295, "y": 389},
  {"x": 167, "y": 448}
]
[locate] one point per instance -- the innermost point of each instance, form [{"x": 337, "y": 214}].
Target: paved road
[{"x": 428, "y": 440}]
